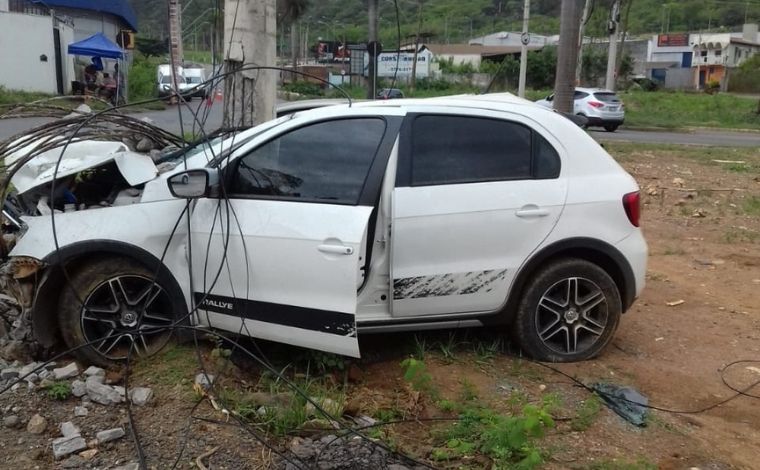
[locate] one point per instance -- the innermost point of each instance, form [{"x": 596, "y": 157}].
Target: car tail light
[
  {"x": 632, "y": 206},
  {"x": 595, "y": 104}
]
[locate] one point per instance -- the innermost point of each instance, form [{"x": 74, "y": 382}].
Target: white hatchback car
[
  {"x": 602, "y": 108},
  {"x": 320, "y": 226}
]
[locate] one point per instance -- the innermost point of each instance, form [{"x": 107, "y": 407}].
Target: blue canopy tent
[{"x": 97, "y": 46}]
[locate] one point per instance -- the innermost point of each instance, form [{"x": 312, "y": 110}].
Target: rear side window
[
  {"x": 579, "y": 95},
  {"x": 607, "y": 97},
  {"x": 461, "y": 149}
]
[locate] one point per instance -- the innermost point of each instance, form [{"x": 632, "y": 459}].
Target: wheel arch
[
  {"x": 601, "y": 253},
  {"x": 71, "y": 257}
]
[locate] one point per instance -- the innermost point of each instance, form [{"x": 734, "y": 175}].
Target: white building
[{"x": 35, "y": 35}]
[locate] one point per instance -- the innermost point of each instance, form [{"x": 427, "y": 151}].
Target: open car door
[{"x": 282, "y": 257}]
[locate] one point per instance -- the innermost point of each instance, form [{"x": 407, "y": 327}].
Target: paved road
[
  {"x": 169, "y": 120},
  {"x": 700, "y": 137}
]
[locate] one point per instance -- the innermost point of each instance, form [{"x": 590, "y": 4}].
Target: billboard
[
  {"x": 672, "y": 40},
  {"x": 389, "y": 62}
]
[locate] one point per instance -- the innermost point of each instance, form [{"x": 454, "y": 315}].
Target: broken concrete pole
[
  {"x": 144, "y": 145},
  {"x": 64, "y": 446},
  {"x": 68, "y": 372},
  {"x": 109, "y": 435}
]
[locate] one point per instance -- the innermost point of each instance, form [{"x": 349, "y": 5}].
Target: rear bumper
[
  {"x": 634, "y": 249},
  {"x": 604, "y": 121}
]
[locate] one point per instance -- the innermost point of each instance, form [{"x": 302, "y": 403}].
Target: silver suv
[{"x": 601, "y": 108}]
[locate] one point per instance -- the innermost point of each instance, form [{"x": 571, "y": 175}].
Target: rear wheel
[
  {"x": 112, "y": 305},
  {"x": 583, "y": 126},
  {"x": 610, "y": 127},
  {"x": 568, "y": 312}
]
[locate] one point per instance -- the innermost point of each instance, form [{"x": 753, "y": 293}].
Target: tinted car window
[
  {"x": 328, "y": 161},
  {"x": 580, "y": 94},
  {"x": 457, "y": 149},
  {"x": 607, "y": 97},
  {"x": 546, "y": 162}
]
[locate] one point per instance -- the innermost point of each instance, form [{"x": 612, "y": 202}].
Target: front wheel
[
  {"x": 610, "y": 127},
  {"x": 112, "y": 305},
  {"x": 569, "y": 312}
]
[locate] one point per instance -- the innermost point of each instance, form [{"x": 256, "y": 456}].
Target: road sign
[{"x": 374, "y": 48}]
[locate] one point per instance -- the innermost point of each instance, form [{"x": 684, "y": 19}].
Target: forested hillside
[{"x": 457, "y": 20}]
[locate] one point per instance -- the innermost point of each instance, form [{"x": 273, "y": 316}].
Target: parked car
[
  {"x": 320, "y": 226},
  {"x": 390, "y": 94},
  {"x": 165, "y": 82},
  {"x": 195, "y": 77},
  {"x": 602, "y": 108}
]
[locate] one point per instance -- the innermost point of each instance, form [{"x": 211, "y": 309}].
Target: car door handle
[
  {"x": 336, "y": 249},
  {"x": 531, "y": 211}
]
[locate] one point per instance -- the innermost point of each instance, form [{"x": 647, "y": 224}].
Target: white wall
[
  {"x": 3, "y": 5},
  {"x": 67, "y": 37},
  {"x": 23, "y": 39},
  {"x": 87, "y": 23}
]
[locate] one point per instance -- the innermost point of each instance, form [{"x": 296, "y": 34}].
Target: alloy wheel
[
  {"x": 127, "y": 311},
  {"x": 571, "y": 316}
]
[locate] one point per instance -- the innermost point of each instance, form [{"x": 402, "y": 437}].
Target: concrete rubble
[
  {"x": 36, "y": 425},
  {"x": 109, "y": 435}
]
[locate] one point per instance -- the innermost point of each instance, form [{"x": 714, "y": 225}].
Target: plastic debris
[{"x": 628, "y": 403}]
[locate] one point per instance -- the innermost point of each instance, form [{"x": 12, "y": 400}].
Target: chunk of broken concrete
[
  {"x": 9, "y": 373},
  {"x": 36, "y": 425},
  {"x": 100, "y": 393},
  {"x": 68, "y": 429},
  {"x": 64, "y": 446},
  {"x": 109, "y": 435},
  {"x": 204, "y": 380},
  {"x": 92, "y": 370},
  {"x": 80, "y": 411},
  {"x": 78, "y": 388},
  {"x": 67, "y": 372},
  {"x": 140, "y": 395}
]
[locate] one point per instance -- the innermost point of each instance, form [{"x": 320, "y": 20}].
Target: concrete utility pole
[
  {"x": 175, "y": 40},
  {"x": 525, "y": 40},
  {"x": 567, "y": 55},
  {"x": 250, "y": 38},
  {"x": 584, "y": 20},
  {"x": 372, "y": 33},
  {"x": 612, "y": 27},
  {"x": 416, "y": 45}
]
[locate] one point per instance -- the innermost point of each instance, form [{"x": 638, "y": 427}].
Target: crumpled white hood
[{"x": 137, "y": 168}]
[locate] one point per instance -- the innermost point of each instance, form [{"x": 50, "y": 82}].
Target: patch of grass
[
  {"x": 586, "y": 413},
  {"x": 449, "y": 346},
  {"x": 623, "y": 151},
  {"x": 510, "y": 441},
  {"x": 18, "y": 96},
  {"x": 738, "y": 235},
  {"x": 683, "y": 109},
  {"x": 176, "y": 364},
  {"x": 201, "y": 57},
  {"x": 751, "y": 205},
  {"x": 415, "y": 372},
  {"x": 60, "y": 390},
  {"x": 420, "y": 347},
  {"x": 671, "y": 251}
]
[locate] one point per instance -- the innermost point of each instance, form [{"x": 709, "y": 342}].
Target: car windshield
[
  {"x": 167, "y": 79},
  {"x": 607, "y": 97},
  {"x": 194, "y": 80}
]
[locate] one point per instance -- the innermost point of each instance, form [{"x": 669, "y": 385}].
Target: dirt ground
[{"x": 699, "y": 313}]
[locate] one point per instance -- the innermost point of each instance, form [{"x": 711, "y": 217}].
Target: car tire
[
  {"x": 610, "y": 127},
  {"x": 99, "y": 311},
  {"x": 584, "y": 126},
  {"x": 568, "y": 312}
]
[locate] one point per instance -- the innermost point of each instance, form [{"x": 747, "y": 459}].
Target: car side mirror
[{"x": 193, "y": 184}]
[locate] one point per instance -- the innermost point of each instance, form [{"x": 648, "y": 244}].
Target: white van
[
  {"x": 196, "y": 78},
  {"x": 165, "y": 83}
]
